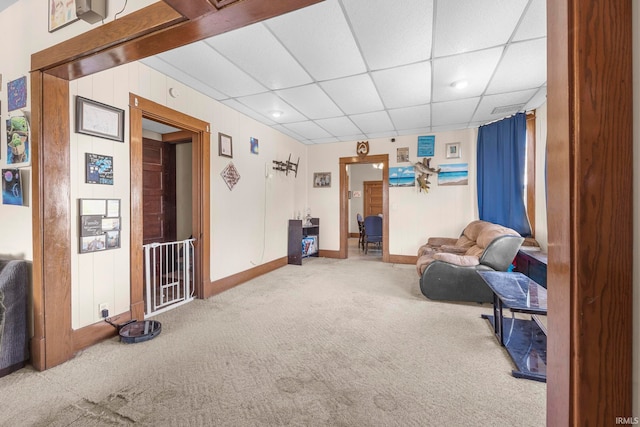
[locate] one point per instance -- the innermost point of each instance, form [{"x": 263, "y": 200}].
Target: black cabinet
[
  {"x": 534, "y": 265},
  {"x": 304, "y": 241}
]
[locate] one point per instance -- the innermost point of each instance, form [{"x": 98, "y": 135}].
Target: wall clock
[{"x": 362, "y": 148}]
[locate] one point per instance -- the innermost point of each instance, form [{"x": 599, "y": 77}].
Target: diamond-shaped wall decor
[{"x": 230, "y": 175}]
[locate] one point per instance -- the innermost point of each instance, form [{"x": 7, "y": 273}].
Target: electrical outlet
[{"x": 101, "y": 309}]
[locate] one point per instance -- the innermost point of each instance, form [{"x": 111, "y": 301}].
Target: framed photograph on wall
[
  {"x": 322, "y": 179},
  {"x": 98, "y": 119},
  {"x": 61, "y": 13},
  {"x": 453, "y": 150},
  {"x": 225, "y": 145}
]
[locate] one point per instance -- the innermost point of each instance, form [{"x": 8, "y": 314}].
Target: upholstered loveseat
[
  {"x": 14, "y": 282},
  {"x": 448, "y": 266}
]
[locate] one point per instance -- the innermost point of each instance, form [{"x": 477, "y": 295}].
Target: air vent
[{"x": 507, "y": 109}]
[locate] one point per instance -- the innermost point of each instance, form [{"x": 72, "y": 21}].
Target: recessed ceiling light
[
  {"x": 276, "y": 114},
  {"x": 460, "y": 84}
]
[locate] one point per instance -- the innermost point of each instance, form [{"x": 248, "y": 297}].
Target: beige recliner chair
[{"x": 448, "y": 267}]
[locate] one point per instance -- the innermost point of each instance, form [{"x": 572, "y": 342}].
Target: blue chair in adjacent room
[{"x": 372, "y": 231}]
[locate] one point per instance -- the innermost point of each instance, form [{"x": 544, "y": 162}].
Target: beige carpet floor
[{"x": 330, "y": 343}]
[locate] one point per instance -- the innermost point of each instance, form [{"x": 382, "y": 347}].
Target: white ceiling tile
[
  {"x": 320, "y": 38},
  {"x": 308, "y": 130},
  {"x": 374, "y": 135},
  {"x": 399, "y": 35},
  {"x": 538, "y": 99},
  {"x": 289, "y": 132},
  {"x": 489, "y": 102},
  {"x": 234, "y": 104},
  {"x": 411, "y": 117},
  {"x": 404, "y": 86},
  {"x": 311, "y": 101},
  {"x": 260, "y": 54},
  {"x": 178, "y": 74},
  {"x": 266, "y": 103},
  {"x": 476, "y": 68},
  {"x": 372, "y": 122},
  {"x": 453, "y": 112},
  {"x": 354, "y": 95},
  {"x": 534, "y": 22},
  {"x": 338, "y": 126},
  {"x": 325, "y": 140},
  {"x": 416, "y": 131},
  {"x": 523, "y": 66},
  {"x": 465, "y": 26},
  {"x": 206, "y": 65},
  {"x": 350, "y": 138},
  {"x": 451, "y": 127}
]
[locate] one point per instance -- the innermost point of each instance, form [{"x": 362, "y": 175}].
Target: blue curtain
[{"x": 501, "y": 163}]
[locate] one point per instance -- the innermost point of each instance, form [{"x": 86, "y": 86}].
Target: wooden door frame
[
  {"x": 588, "y": 383},
  {"x": 344, "y": 201},
  {"x": 140, "y": 108}
]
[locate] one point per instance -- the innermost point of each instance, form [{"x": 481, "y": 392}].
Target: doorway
[
  {"x": 187, "y": 129},
  {"x": 382, "y": 160}
]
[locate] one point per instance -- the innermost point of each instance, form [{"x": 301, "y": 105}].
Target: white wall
[
  {"x": 24, "y": 28},
  {"x": 413, "y": 215},
  {"x": 248, "y": 223}
]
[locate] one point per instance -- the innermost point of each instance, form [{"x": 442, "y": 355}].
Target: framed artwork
[
  {"x": 18, "y": 141},
  {"x": 402, "y": 154},
  {"x": 254, "y": 145},
  {"x": 99, "y": 225},
  {"x": 453, "y": 150},
  {"x": 97, "y": 119},
  {"x": 12, "y": 187},
  {"x": 61, "y": 13},
  {"x": 17, "y": 93},
  {"x": 99, "y": 169},
  {"x": 404, "y": 176},
  {"x": 322, "y": 179},
  {"x": 426, "y": 145},
  {"x": 454, "y": 174},
  {"x": 225, "y": 147}
]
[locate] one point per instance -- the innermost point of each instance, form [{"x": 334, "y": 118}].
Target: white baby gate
[{"x": 168, "y": 275}]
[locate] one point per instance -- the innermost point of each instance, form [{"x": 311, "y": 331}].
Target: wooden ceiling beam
[{"x": 152, "y": 35}]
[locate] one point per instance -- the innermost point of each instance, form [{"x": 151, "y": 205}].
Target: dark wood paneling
[
  {"x": 589, "y": 212},
  {"x": 192, "y": 9},
  {"x": 37, "y": 293},
  {"x": 56, "y": 220},
  {"x": 221, "y": 285}
]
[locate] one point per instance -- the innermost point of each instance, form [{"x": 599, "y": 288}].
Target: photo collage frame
[{"x": 100, "y": 225}]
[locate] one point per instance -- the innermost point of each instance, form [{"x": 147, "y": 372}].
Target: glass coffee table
[{"x": 524, "y": 339}]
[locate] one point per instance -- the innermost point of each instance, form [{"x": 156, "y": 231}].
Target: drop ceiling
[{"x": 344, "y": 70}]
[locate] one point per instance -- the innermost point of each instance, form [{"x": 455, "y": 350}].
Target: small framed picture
[
  {"x": 61, "y": 13},
  {"x": 97, "y": 119},
  {"x": 225, "y": 145},
  {"x": 402, "y": 154},
  {"x": 453, "y": 150},
  {"x": 322, "y": 179}
]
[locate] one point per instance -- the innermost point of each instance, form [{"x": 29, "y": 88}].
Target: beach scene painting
[
  {"x": 454, "y": 174},
  {"x": 402, "y": 176}
]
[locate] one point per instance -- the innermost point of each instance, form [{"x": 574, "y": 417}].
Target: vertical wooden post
[{"x": 589, "y": 211}]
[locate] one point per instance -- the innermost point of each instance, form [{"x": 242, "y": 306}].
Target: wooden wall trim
[
  {"x": 96, "y": 332},
  {"x": 344, "y": 201},
  {"x": 37, "y": 344},
  {"x": 54, "y": 162},
  {"x": 531, "y": 171},
  {"x": 325, "y": 253},
  {"x": 217, "y": 286},
  {"x": 589, "y": 211},
  {"x": 403, "y": 259}
]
